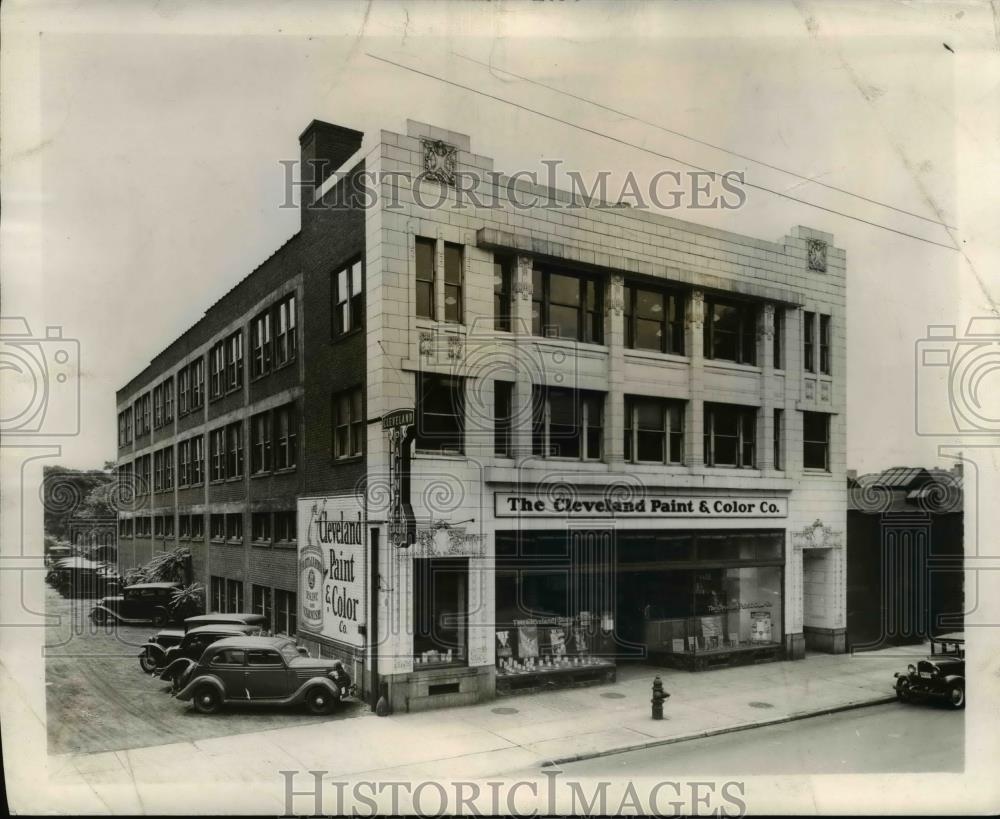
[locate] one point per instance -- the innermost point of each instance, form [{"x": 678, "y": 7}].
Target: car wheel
[
  {"x": 903, "y": 693},
  {"x": 147, "y": 662},
  {"x": 956, "y": 695},
  {"x": 99, "y": 617},
  {"x": 320, "y": 701},
  {"x": 206, "y": 699},
  {"x": 160, "y": 617}
]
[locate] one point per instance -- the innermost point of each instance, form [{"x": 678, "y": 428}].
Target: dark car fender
[
  {"x": 951, "y": 679},
  {"x": 174, "y": 668},
  {"x": 324, "y": 682},
  {"x": 154, "y": 650},
  {"x": 187, "y": 691}
]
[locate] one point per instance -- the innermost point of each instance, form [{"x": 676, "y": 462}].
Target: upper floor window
[
  {"x": 425, "y": 268},
  {"x": 654, "y": 430},
  {"x": 158, "y": 406},
  {"x": 453, "y": 282},
  {"x": 191, "y": 461},
  {"x": 816, "y": 440},
  {"x": 809, "y": 341},
  {"x": 348, "y": 424},
  {"x": 566, "y": 305},
  {"x": 567, "y": 423},
  {"x": 125, "y": 427},
  {"x": 260, "y": 344},
  {"x": 286, "y": 429},
  {"x": 197, "y": 383},
  {"x": 779, "y": 338},
  {"x": 141, "y": 415},
  {"x": 234, "y": 361},
  {"x": 731, "y": 332},
  {"x": 779, "y": 444},
  {"x": 190, "y": 386},
  {"x": 260, "y": 442},
  {"x": 824, "y": 344},
  {"x": 217, "y": 369},
  {"x": 654, "y": 320},
  {"x": 730, "y": 435},
  {"x": 503, "y": 275},
  {"x": 285, "y": 342},
  {"x": 348, "y": 299},
  {"x": 503, "y": 394},
  {"x": 168, "y": 400},
  {"x": 440, "y": 413}
]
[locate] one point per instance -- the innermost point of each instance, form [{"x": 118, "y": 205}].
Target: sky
[{"x": 142, "y": 144}]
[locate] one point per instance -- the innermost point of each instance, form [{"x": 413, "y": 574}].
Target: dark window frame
[
  {"x": 349, "y": 305},
  {"x": 590, "y": 313},
  {"x": 425, "y": 436},
  {"x": 503, "y": 277},
  {"x": 744, "y": 336},
  {"x": 422, "y": 282},
  {"x": 349, "y": 427},
  {"x": 578, "y": 428},
  {"x": 814, "y": 445},
  {"x": 672, "y": 439},
  {"x": 745, "y": 437},
  {"x": 671, "y": 323}
]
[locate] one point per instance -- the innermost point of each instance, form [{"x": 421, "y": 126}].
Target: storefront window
[{"x": 440, "y": 611}]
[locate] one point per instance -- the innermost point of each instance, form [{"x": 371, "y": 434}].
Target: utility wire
[
  {"x": 655, "y": 153},
  {"x": 666, "y": 130}
]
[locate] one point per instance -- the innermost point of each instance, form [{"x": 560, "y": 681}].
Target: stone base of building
[
  {"x": 827, "y": 640},
  {"x": 440, "y": 688},
  {"x": 795, "y": 646}
]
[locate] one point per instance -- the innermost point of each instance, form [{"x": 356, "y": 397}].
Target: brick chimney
[{"x": 324, "y": 147}]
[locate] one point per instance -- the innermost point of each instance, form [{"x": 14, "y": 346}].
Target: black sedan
[{"x": 940, "y": 676}]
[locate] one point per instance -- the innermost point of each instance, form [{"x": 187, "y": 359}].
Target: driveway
[{"x": 98, "y": 699}]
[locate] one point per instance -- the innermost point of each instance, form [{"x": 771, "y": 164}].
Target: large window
[
  {"x": 824, "y": 344},
  {"x": 261, "y": 601},
  {"x": 217, "y": 454},
  {"x": 348, "y": 298},
  {"x": 285, "y": 435},
  {"x": 234, "y": 361},
  {"x": 440, "y": 611},
  {"x": 234, "y": 450},
  {"x": 779, "y": 338},
  {"x": 503, "y": 392},
  {"x": 730, "y": 435},
  {"x": 453, "y": 282},
  {"x": 440, "y": 413},
  {"x": 191, "y": 455},
  {"x": 234, "y": 526},
  {"x": 779, "y": 444},
  {"x": 425, "y": 264},
  {"x": 124, "y": 428},
  {"x": 260, "y": 526},
  {"x": 654, "y": 430},
  {"x": 809, "y": 341},
  {"x": 503, "y": 275},
  {"x": 731, "y": 332},
  {"x": 285, "y": 609},
  {"x": 260, "y": 344},
  {"x": 285, "y": 526},
  {"x": 654, "y": 320},
  {"x": 567, "y": 423},
  {"x": 285, "y": 339},
  {"x": 566, "y": 305},
  {"x": 260, "y": 443},
  {"x": 348, "y": 424},
  {"x": 815, "y": 440}
]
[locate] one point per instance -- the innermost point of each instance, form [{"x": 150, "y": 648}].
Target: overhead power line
[
  {"x": 690, "y": 138},
  {"x": 650, "y": 151}
]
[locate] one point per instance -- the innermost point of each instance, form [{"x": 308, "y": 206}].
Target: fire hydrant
[{"x": 659, "y": 697}]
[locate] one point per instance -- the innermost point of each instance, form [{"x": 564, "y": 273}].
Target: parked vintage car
[
  {"x": 78, "y": 577},
  {"x": 162, "y": 640},
  {"x": 222, "y": 619},
  {"x": 940, "y": 676},
  {"x": 262, "y": 671},
  {"x": 168, "y": 662},
  {"x": 139, "y": 603}
]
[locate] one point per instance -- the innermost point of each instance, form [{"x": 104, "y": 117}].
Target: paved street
[
  {"x": 881, "y": 739},
  {"x": 98, "y": 699}
]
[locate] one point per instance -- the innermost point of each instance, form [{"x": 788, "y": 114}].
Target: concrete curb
[{"x": 641, "y": 746}]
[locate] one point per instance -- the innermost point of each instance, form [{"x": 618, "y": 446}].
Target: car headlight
[{"x": 911, "y": 669}]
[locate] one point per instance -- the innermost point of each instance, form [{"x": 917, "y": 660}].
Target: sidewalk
[{"x": 510, "y": 733}]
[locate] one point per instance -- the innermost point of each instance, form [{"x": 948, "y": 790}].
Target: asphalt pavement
[{"x": 892, "y": 738}]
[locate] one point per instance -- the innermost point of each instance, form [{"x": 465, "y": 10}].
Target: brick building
[{"x": 524, "y": 442}]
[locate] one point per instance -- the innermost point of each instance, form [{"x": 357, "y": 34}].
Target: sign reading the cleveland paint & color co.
[
  {"x": 639, "y": 505},
  {"x": 331, "y": 594}
]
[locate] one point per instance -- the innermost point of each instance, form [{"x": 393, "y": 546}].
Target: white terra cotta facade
[{"x": 455, "y": 497}]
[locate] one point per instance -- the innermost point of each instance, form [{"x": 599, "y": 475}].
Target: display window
[{"x": 440, "y": 606}]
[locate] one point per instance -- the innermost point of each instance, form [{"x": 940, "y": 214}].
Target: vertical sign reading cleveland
[{"x": 332, "y": 568}]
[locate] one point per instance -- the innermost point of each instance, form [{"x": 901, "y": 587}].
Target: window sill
[
  {"x": 430, "y": 454},
  {"x": 336, "y": 337},
  {"x": 348, "y": 459},
  {"x": 653, "y": 355},
  {"x": 572, "y": 343},
  {"x": 809, "y": 470},
  {"x": 734, "y": 366}
]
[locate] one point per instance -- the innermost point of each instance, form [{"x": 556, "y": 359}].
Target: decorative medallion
[
  {"x": 440, "y": 161},
  {"x": 817, "y": 536},
  {"x": 426, "y": 344},
  {"x": 816, "y": 253}
]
